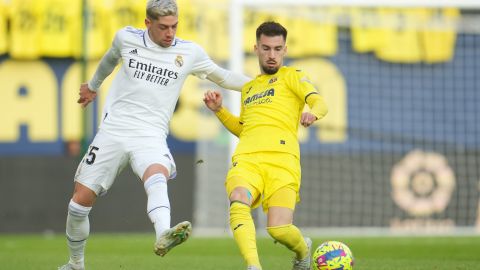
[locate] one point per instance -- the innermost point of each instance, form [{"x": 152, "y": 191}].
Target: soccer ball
[{"x": 332, "y": 255}]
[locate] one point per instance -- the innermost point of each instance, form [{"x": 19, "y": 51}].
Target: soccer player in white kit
[{"x": 136, "y": 116}]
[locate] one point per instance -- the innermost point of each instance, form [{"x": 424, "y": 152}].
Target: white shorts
[{"x": 107, "y": 155}]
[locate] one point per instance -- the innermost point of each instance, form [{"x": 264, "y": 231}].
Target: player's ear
[{"x": 147, "y": 22}]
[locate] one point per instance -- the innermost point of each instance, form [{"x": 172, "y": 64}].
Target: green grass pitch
[{"x": 134, "y": 251}]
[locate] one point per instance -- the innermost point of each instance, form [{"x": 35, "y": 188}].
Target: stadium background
[{"x": 399, "y": 150}]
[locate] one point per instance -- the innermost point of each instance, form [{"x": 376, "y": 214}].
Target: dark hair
[{"x": 271, "y": 29}]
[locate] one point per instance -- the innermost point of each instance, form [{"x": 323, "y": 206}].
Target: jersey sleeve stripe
[
  {"x": 311, "y": 93},
  {"x": 144, "y": 41}
]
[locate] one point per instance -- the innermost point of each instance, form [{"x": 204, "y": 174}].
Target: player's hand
[
  {"x": 213, "y": 100},
  {"x": 86, "y": 95},
  {"x": 307, "y": 119}
]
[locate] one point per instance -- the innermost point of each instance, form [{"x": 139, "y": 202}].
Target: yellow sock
[
  {"x": 243, "y": 229},
  {"x": 291, "y": 237}
]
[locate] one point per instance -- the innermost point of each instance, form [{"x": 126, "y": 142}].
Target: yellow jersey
[{"x": 270, "y": 111}]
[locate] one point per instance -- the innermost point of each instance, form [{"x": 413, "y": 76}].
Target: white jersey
[{"x": 144, "y": 92}]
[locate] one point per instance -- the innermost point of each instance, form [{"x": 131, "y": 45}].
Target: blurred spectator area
[{"x": 32, "y": 29}]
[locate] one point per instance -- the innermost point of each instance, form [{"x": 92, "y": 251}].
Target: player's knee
[
  {"x": 279, "y": 216},
  {"x": 154, "y": 169},
  {"x": 241, "y": 194},
  {"x": 83, "y": 195}
]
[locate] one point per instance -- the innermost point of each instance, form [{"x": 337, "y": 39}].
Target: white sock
[
  {"x": 78, "y": 229},
  {"x": 158, "y": 204}
]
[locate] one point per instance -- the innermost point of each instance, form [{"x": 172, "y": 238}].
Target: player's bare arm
[{"x": 86, "y": 95}]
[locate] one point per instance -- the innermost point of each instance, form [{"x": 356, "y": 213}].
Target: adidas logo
[{"x": 134, "y": 51}]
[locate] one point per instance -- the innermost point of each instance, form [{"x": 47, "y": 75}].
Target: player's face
[
  {"x": 270, "y": 52},
  {"x": 162, "y": 30}
]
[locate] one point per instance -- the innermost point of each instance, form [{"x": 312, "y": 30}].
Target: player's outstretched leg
[
  {"x": 304, "y": 264},
  {"x": 68, "y": 266},
  {"x": 172, "y": 237}
]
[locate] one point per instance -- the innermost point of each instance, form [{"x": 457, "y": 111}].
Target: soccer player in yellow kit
[{"x": 266, "y": 164}]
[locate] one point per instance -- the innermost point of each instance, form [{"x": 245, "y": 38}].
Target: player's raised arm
[
  {"x": 213, "y": 101},
  {"x": 205, "y": 68},
  {"x": 106, "y": 66},
  {"x": 228, "y": 79}
]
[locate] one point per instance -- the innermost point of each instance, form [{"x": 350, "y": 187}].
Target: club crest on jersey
[
  {"x": 272, "y": 80},
  {"x": 179, "y": 61}
]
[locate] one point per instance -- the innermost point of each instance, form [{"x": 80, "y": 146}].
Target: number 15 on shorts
[{"x": 90, "y": 159}]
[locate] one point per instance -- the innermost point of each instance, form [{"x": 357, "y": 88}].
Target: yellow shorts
[{"x": 263, "y": 174}]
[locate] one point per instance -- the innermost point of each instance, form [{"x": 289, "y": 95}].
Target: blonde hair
[{"x": 160, "y": 8}]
